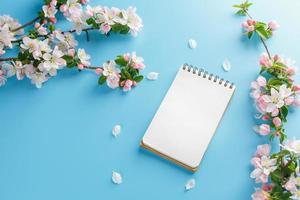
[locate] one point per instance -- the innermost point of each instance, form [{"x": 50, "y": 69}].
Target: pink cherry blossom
[
  {"x": 249, "y": 25},
  {"x": 277, "y": 121},
  {"x": 275, "y": 112},
  {"x": 291, "y": 71},
  {"x": 113, "y": 81},
  {"x": 265, "y": 60},
  {"x": 296, "y": 88},
  {"x": 273, "y": 25},
  {"x": 80, "y": 66},
  {"x": 127, "y": 86},
  {"x": 98, "y": 71},
  {"x": 259, "y": 195},
  {"x": 263, "y": 150},
  {"x": 105, "y": 28},
  {"x": 265, "y": 117},
  {"x": 264, "y": 129},
  {"x": 261, "y": 81},
  {"x": 267, "y": 187}
]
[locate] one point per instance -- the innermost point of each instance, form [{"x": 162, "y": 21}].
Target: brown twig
[
  {"x": 7, "y": 59},
  {"x": 26, "y": 24}
]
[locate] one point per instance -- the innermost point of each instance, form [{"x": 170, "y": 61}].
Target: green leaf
[
  {"x": 70, "y": 61},
  {"x": 275, "y": 82},
  {"x": 90, "y": 21},
  {"x": 101, "y": 80},
  {"x": 284, "y": 112},
  {"x": 138, "y": 78},
  {"x": 250, "y": 34},
  {"x": 276, "y": 176},
  {"x": 241, "y": 12},
  {"x": 127, "y": 74},
  {"x": 262, "y": 32},
  {"x": 52, "y": 27},
  {"x": 121, "y": 61}
]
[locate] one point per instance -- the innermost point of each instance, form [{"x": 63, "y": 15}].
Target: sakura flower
[
  {"x": 11, "y": 23},
  {"x": 133, "y": 21},
  {"x": 43, "y": 47},
  {"x": 291, "y": 184},
  {"x": 273, "y": 25},
  {"x": 265, "y": 61},
  {"x": 249, "y": 25},
  {"x": 263, "y": 150},
  {"x": 49, "y": 11},
  {"x": 137, "y": 62},
  {"x": 38, "y": 78},
  {"x": 275, "y": 100},
  {"x": 6, "y": 71},
  {"x": 260, "y": 195},
  {"x": 42, "y": 30},
  {"x": 79, "y": 23},
  {"x": 258, "y": 87},
  {"x": 6, "y": 36},
  {"x": 263, "y": 167},
  {"x": 127, "y": 85},
  {"x": 84, "y": 57},
  {"x": 277, "y": 121},
  {"x": 113, "y": 81},
  {"x": 29, "y": 44},
  {"x": 263, "y": 129},
  {"x": 105, "y": 28},
  {"x": 53, "y": 62},
  {"x": 292, "y": 145},
  {"x": 72, "y": 9},
  {"x": 110, "y": 70},
  {"x": 3, "y": 79},
  {"x": 22, "y": 70}
]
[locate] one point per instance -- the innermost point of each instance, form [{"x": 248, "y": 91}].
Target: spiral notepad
[{"x": 188, "y": 116}]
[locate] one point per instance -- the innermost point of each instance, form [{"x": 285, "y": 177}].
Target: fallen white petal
[
  {"x": 116, "y": 178},
  {"x": 116, "y": 130},
  {"x": 192, "y": 43},
  {"x": 190, "y": 184},
  {"x": 152, "y": 76},
  {"x": 226, "y": 65}
]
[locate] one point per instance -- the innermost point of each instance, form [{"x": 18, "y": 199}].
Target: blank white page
[{"x": 188, "y": 117}]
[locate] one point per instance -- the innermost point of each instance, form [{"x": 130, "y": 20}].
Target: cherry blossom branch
[
  {"x": 7, "y": 59},
  {"x": 86, "y": 30},
  {"x": 261, "y": 39},
  {"x": 26, "y": 24},
  {"x": 273, "y": 92}
]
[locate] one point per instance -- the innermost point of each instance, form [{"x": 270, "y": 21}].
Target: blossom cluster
[
  {"x": 273, "y": 92},
  {"x": 44, "y": 49},
  {"x": 7, "y": 33},
  {"x": 278, "y": 173},
  {"x": 102, "y": 18},
  {"x": 262, "y": 29},
  {"x": 123, "y": 72}
]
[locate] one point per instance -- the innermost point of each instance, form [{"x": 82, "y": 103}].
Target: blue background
[{"x": 56, "y": 142}]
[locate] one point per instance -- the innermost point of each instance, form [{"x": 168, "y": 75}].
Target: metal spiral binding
[{"x": 205, "y": 74}]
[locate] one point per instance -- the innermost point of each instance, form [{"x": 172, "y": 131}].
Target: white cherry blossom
[
  {"x": 53, "y": 62},
  {"x": 84, "y": 57}
]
